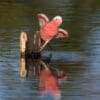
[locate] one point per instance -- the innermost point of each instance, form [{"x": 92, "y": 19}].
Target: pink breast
[{"x": 48, "y": 32}]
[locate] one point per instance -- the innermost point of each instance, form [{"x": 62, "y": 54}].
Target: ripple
[{"x": 65, "y": 56}]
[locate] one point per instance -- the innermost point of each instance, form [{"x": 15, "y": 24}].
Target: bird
[{"x": 49, "y": 29}]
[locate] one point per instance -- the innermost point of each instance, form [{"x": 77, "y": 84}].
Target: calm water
[{"x": 79, "y": 55}]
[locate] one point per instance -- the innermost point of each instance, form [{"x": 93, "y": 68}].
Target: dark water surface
[{"x": 79, "y": 55}]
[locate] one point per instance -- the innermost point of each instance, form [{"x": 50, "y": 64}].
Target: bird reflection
[
  {"x": 49, "y": 87},
  {"x": 49, "y": 77}
]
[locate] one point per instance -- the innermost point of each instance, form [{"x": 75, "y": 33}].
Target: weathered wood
[
  {"x": 23, "y": 48},
  {"x": 37, "y": 42},
  {"x": 23, "y": 43}
]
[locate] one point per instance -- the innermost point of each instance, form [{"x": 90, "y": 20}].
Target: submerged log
[{"x": 27, "y": 53}]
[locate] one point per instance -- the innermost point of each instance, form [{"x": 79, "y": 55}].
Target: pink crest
[{"x": 43, "y": 20}]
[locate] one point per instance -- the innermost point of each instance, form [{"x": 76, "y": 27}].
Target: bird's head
[{"x": 57, "y": 20}]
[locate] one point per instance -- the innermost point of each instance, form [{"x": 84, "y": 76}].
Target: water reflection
[{"x": 49, "y": 78}]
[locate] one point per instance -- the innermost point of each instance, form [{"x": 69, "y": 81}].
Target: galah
[{"x": 50, "y": 29}]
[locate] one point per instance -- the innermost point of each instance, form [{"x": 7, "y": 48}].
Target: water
[{"x": 78, "y": 56}]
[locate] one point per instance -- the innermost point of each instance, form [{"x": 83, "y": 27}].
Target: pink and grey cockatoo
[{"x": 50, "y": 29}]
